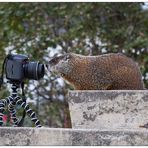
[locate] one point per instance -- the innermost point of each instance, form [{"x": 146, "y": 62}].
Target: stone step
[
  {"x": 18, "y": 136},
  {"x": 109, "y": 109}
]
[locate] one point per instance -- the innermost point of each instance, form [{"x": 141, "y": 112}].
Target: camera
[{"x": 18, "y": 67}]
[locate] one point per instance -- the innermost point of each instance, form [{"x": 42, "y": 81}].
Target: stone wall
[{"x": 98, "y": 118}]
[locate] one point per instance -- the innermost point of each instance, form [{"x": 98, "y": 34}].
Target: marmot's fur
[{"x": 103, "y": 72}]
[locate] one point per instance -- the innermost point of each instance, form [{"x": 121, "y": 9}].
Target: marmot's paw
[{"x": 144, "y": 126}]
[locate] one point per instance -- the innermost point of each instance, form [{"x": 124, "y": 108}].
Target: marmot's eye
[{"x": 62, "y": 74}]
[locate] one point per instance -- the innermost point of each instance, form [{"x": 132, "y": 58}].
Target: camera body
[{"x": 18, "y": 68}]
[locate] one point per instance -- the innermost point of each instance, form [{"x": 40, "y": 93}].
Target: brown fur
[{"x": 103, "y": 72}]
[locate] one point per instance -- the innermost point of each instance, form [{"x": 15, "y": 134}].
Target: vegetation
[{"x": 40, "y": 30}]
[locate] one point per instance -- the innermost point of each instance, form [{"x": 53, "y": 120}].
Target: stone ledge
[
  {"x": 57, "y": 136},
  {"x": 111, "y": 109}
]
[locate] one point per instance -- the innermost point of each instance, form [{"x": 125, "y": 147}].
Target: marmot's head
[
  {"x": 70, "y": 66},
  {"x": 62, "y": 65}
]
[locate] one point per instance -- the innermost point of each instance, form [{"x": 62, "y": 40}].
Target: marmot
[{"x": 112, "y": 71}]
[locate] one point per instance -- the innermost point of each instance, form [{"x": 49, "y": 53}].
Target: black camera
[{"x": 18, "y": 68}]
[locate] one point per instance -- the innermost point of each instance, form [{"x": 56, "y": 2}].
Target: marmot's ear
[{"x": 66, "y": 57}]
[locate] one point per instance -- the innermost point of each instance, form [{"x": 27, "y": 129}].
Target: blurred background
[{"x": 41, "y": 30}]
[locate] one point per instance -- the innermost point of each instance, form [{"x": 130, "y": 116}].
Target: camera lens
[{"x": 34, "y": 70}]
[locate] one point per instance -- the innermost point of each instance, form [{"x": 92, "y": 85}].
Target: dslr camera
[{"x": 18, "y": 68}]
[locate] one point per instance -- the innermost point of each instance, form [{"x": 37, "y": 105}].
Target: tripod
[{"x": 13, "y": 100}]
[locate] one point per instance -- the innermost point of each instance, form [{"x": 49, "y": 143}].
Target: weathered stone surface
[
  {"x": 108, "y": 109},
  {"x": 52, "y": 136},
  {"x": 98, "y": 118}
]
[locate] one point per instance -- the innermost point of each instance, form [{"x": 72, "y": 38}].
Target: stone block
[
  {"x": 111, "y": 109},
  {"x": 18, "y": 136}
]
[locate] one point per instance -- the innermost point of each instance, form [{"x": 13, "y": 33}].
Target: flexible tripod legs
[{"x": 11, "y": 101}]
